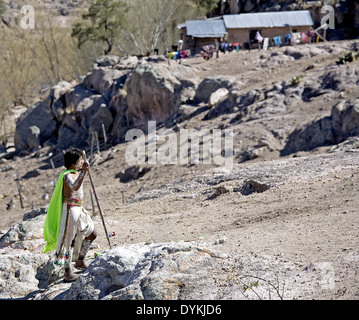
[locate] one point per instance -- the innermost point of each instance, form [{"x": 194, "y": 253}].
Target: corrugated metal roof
[
  {"x": 268, "y": 19},
  {"x": 206, "y": 28}
]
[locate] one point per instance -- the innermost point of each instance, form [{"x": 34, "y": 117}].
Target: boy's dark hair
[{"x": 71, "y": 156}]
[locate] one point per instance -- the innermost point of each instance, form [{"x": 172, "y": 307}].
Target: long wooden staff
[{"x": 98, "y": 204}]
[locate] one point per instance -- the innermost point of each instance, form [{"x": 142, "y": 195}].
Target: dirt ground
[{"x": 307, "y": 218}]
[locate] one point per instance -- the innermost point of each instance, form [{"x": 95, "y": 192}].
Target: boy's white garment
[{"x": 79, "y": 224}]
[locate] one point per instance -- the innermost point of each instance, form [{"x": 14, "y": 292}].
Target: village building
[
  {"x": 243, "y": 29},
  {"x": 198, "y": 33}
]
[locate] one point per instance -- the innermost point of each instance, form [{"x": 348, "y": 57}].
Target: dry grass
[{"x": 32, "y": 61}]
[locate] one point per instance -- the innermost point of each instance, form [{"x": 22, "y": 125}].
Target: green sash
[{"x": 53, "y": 216}]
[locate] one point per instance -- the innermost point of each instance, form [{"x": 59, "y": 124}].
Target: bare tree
[
  {"x": 50, "y": 44},
  {"x": 18, "y": 71},
  {"x": 153, "y": 24}
]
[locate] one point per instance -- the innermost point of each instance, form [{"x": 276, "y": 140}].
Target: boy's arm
[{"x": 74, "y": 185}]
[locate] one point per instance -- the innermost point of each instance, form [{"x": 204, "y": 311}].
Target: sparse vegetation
[
  {"x": 2, "y": 8},
  {"x": 101, "y": 24},
  {"x": 348, "y": 57},
  {"x": 32, "y": 61},
  {"x": 296, "y": 80},
  {"x": 250, "y": 283}
]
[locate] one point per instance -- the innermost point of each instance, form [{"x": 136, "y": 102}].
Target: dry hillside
[{"x": 292, "y": 218}]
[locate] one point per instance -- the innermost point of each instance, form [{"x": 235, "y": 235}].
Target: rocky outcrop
[
  {"x": 131, "y": 92},
  {"x": 340, "y": 78},
  {"x": 340, "y": 125},
  {"x": 26, "y": 235},
  {"x": 211, "y": 84},
  {"x": 153, "y": 93},
  {"x": 101, "y": 79},
  {"x": 162, "y": 271},
  {"x": 23, "y": 273},
  {"x": 114, "y": 95},
  {"x": 35, "y": 126},
  {"x": 176, "y": 270}
]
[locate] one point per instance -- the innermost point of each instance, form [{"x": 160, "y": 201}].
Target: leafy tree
[
  {"x": 208, "y": 5},
  {"x": 102, "y": 23}
]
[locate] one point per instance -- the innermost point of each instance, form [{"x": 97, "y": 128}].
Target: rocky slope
[
  {"x": 122, "y": 94},
  {"x": 281, "y": 229},
  {"x": 280, "y": 224}
]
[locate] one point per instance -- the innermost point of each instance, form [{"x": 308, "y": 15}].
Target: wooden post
[
  {"x": 54, "y": 171},
  {"x": 104, "y": 136},
  {"x": 123, "y": 196},
  {"x": 19, "y": 188},
  {"x": 97, "y": 142},
  {"x": 92, "y": 140},
  {"x": 317, "y": 33},
  {"x": 93, "y": 205},
  {"x": 325, "y": 34}
]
